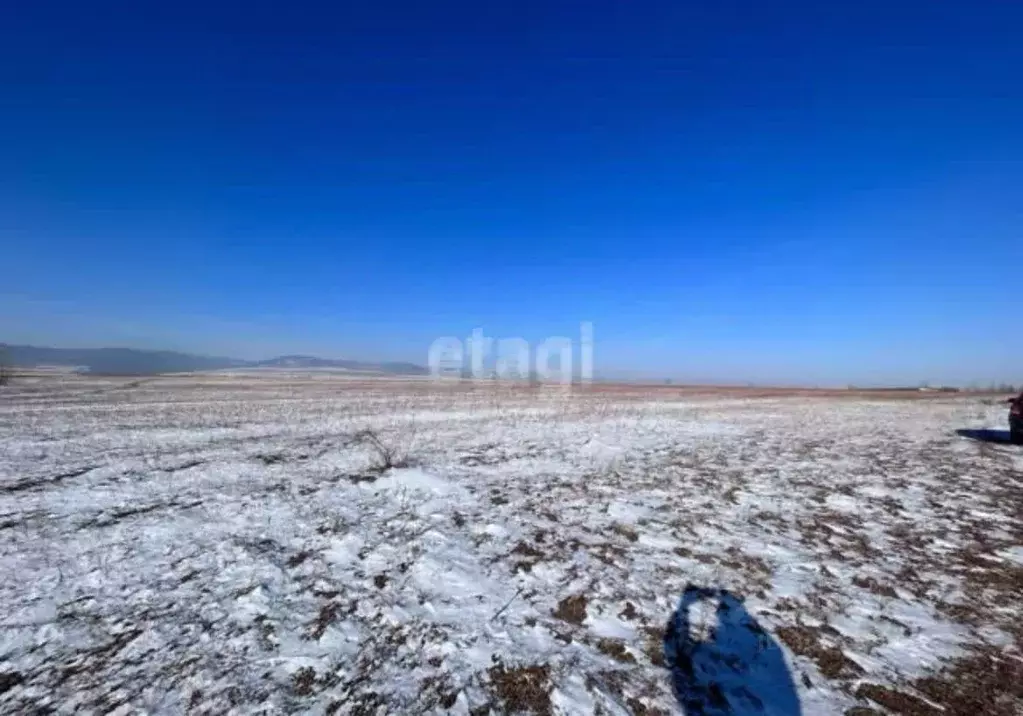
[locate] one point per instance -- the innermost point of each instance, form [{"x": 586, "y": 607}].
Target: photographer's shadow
[{"x": 739, "y": 669}]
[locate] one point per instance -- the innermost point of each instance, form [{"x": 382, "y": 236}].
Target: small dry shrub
[{"x": 387, "y": 456}]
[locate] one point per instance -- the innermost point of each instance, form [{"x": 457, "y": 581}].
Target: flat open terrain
[{"x": 312, "y": 544}]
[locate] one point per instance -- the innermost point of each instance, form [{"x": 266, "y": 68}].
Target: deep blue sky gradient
[{"x": 793, "y": 191}]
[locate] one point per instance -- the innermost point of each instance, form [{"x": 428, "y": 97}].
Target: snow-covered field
[{"x": 282, "y": 545}]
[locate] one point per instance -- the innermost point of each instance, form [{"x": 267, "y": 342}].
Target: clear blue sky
[{"x": 789, "y": 191}]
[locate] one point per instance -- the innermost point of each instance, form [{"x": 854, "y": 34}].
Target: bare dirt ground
[{"x": 217, "y": 544}]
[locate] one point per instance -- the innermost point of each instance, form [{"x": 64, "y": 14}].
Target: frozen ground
[{"x": 282, "y": 545}]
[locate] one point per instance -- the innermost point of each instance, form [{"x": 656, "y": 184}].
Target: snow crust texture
[{"x": 218, "y": 545}]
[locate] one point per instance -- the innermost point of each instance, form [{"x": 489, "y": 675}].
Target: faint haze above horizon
[
  {"x": 791, "y": 193},
  {"x": 123, "y": 359}
]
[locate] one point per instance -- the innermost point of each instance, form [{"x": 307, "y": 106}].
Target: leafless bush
[{"x": 387, "y": 455}]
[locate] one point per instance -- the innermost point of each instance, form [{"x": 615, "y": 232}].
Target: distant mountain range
[
  {"x": 131, "y": 361},
  {"x": 395, "y": 368}
]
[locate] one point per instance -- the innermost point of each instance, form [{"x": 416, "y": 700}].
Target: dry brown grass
[
  {"x": 522, "y": 689},
  {"x": 806, "y": 641},
  {"x": 572, "y": 609}
]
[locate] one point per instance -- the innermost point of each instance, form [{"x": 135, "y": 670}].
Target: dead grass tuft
[
  {"x": 898, "y": 701},
  {"x": 303, "y": 681},
  {"x": 641, "y": 709},
  {"x": 328, "y": 614},
  {"x": 988, "y": 683},
  {"x": 872, "y": 585},
  {"x": 523, "y": 689},
  {"x": 298, "y": 558},
  {"x": 805, "y": 641},
  {"x": 615, "y": 648},
  {"x": 528, "y": 557},
  {"x": 626, "y": 531},
  {"x": 572, "y": 609},
  {"x": 653, "y": 646}
]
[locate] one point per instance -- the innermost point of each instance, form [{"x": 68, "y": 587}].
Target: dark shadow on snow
[
  {"x": 986, "y": 436},
  {"x": 739, "y": 669}
]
